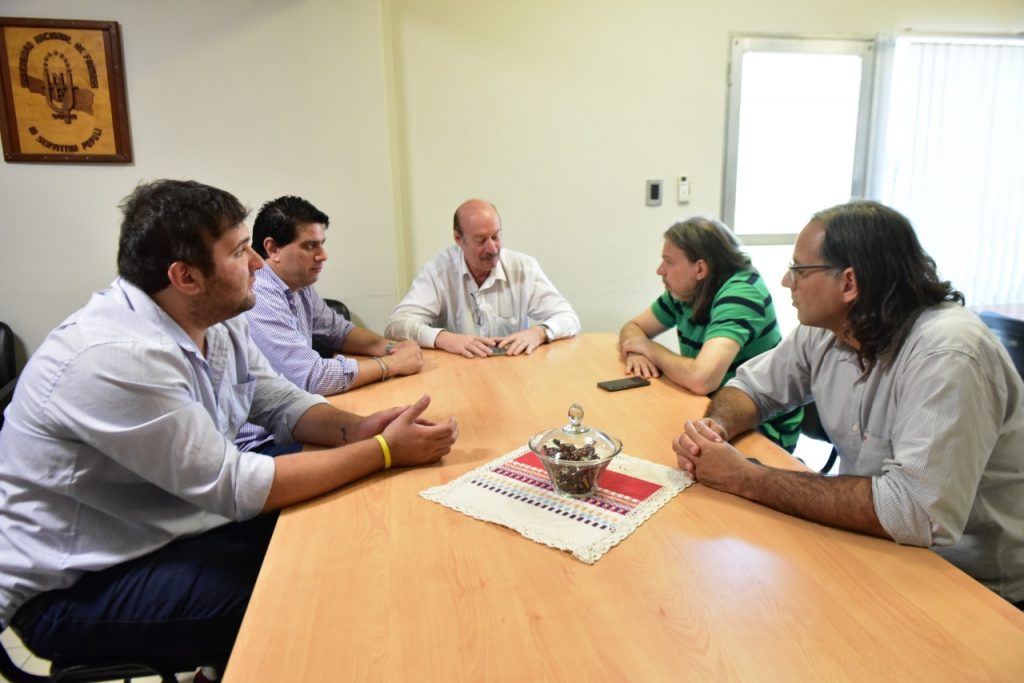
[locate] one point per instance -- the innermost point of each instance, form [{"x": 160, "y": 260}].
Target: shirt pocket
[
  {"x": 502, "y": 309},
  {"x": 235, "y": 404}
]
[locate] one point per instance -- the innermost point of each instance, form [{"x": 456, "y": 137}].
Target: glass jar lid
[{"x": 575, "y": 441}]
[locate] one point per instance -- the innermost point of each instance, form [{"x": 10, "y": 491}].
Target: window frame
[{"x": 863, "y": 47}]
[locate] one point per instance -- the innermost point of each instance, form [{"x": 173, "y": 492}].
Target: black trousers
[{"x": 183, "y": 601}]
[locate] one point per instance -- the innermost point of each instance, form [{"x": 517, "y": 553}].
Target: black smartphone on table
[
  {"x": 624, "y": 383},
  {"x": 499, "y": 351}
]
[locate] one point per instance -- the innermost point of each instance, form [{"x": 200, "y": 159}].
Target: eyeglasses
[
  {"x": 793, "y": 269},
  {"x": 478, "y": 318}
]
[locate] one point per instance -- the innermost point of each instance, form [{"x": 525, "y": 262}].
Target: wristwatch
[
  {"x": 549, "y": 336},
  {"x": 388, "y": 348}
]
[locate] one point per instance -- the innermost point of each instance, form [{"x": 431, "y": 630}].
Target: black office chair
[
  {"x": 93, "y": 672},
  {"x": 1011, "y": 332},
  {"x": 811, "y": 427},
  {"x": 339, "y": 308},
  {"x": 342, "y": 310},
  {"x": 8, "y": 370}
]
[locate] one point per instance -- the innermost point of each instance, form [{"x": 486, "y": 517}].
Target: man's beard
[{"x": 220, "y": 303}]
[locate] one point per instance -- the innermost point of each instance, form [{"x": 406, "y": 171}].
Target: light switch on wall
[
  {"x": 653, "y": 196},
  {"x": 684, "y": 189}
]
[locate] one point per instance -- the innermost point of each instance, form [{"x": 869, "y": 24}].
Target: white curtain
[{"x": 950, "y": 156}]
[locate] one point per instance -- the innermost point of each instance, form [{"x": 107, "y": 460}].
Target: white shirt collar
[{"x": 497, "y": 273}]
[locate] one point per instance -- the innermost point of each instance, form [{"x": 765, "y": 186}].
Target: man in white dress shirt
[{"x": 475, "y": 296}]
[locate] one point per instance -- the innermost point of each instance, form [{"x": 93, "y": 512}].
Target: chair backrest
[
  {"x": 1011, "y": 333},
  {"x": 339, "y": 308},
  {"x": 811, "y": 427},
  {"x": 7, "y": 367},
  {"x": 8, "y": 370}
]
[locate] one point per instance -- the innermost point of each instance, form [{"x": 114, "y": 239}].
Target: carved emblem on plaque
[{"x": 63, "y": 88}]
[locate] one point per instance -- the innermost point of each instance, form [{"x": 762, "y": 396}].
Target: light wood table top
[{"x": 373, "y": 582}]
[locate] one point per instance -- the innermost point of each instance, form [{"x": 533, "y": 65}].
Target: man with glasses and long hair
[
  {"x": 922, "y": 402},
  {"x": 476, "y": 299},
  {"x": 722, "y": 313}
]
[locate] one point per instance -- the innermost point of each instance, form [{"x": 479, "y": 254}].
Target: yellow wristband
[{"x": 387, "y": 451}]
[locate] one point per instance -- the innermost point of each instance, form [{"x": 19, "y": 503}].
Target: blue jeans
[{"x": 183, "y": 601}]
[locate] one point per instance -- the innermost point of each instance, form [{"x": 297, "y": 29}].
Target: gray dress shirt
[
  {"x": 940, "y": 432},
  {"x": 119, "y": 440}
]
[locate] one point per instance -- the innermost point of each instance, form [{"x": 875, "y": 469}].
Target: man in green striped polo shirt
[{"x": 722, "y": 313}]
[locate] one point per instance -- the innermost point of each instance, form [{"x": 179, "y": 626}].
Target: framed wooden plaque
[{"x": 62, "y": 91}]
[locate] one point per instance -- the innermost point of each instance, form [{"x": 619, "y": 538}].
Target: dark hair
[
  {"x": 896, "y": 279},
  {"x": 712, "y": 241},
  {"x": 457, "y": 225},
  {"x": 279, "y": 219},
  {"x": 172, "y": 220}
]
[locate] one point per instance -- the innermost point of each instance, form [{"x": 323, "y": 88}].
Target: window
[{"x": 797, "y": 133}]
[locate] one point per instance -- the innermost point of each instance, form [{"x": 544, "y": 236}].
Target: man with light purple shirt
[
  {"x": 130, "y": 524},
  {"x": 289, "y": 315}
]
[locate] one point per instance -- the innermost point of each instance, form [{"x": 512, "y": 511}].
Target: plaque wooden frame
[{"x": 62, "y": 87}]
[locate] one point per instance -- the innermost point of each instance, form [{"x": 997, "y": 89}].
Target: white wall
[
  {"x": 259, "y": 97},
  {"x": 388, "y": 113},
  {"x": 559, "y": 112}
]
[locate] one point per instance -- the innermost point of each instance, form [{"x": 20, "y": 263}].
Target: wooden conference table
[{"x": 374, "y": 582}]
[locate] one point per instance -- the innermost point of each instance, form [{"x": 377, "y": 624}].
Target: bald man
[{"x": 476, "y": 299}]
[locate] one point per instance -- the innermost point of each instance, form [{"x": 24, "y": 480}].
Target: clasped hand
[
  {"x": 468, "y": 345},
  {"x": 405, "y": 358},
  {"x": 704, "y": 453},
  {"x": 634, "y": 355},
  {"x": 473, "y": 346},
  {"x": 523, "y": 341}
]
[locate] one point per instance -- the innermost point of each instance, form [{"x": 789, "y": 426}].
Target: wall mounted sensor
[
  {"x": 653, "y": 193},
  {"x": 684, "y": 189}
]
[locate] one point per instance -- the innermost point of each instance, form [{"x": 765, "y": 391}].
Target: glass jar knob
[{"x": 575, "y": 425}]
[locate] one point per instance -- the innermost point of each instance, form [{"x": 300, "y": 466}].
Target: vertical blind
[{"x": 952, "y": 159}]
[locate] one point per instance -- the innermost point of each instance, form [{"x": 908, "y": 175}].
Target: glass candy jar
[{"x": 575, "y": 455}]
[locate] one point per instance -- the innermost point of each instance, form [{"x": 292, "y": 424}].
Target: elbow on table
[
  {"x": 703, "y": 382},
  {"x": 575, "y": 328},
  {"x": 907, "y": 520},
  {"x": 322, "y": 381}
]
